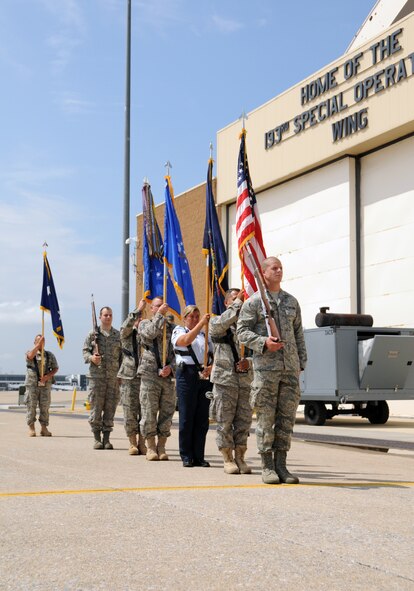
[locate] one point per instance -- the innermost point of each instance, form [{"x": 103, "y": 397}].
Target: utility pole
[{"x": 125, "y": 244}]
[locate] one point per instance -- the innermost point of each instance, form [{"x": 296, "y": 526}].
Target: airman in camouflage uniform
[
  {"x": 275, "y": 390},
  {"x": 130, "y": 381},
  {"x": 232, "y": 379},
  {"x": 157, "y": 393},
  {"x": 103, "y": 383},
  {"x": 39, "y": 385}
]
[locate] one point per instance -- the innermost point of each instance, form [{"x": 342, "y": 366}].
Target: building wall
[
  {"x": 387, "y": 207},
  {"x": 311, "y": 223},
  {"x": 339, "y": 212},
  {"x": 307, "y": 223},
  {"x": 388, "y": 116}
]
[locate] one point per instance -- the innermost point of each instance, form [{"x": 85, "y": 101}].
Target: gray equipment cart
[{"x": 355, "y": 370}]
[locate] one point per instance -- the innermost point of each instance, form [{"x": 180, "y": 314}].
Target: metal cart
[{"x": 355, "y": 370}]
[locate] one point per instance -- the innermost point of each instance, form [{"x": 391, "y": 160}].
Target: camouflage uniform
[
  {"x": 102, "y": 380},
  {"x": 38, "y": 394},
  {"x": 157, "y": 394},
  {"x": 231, "y": 389},
  {"x": 130, "y": 381},
  {"x": 275, "y": 390}
]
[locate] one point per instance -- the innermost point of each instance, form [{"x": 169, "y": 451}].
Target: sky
[{"x": 195, "y": 67}]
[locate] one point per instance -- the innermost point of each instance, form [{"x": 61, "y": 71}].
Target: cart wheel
[
  {"x": 315, "y": 413},
  {"x": 378, "y": 413}
]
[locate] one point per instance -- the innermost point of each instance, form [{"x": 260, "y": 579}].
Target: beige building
[{"x": 332, "y": 164}]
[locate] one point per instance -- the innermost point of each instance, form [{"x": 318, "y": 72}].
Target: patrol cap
[{"x": 189, "y": 309}]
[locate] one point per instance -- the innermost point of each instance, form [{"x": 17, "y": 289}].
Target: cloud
[
  {"x": 30, "y": 214},
  {"x": 31, "y": 217},
  {"x": 226, "y": 25},
  {"x": 69, "y": 34},
  {"x": 67, "y": 12},
  {"x": 161, "y": 15},
  {"x": 71, "y": 103},
  {"x": 19, "y": 313},
  {"x": 63, "y": 47},
  {"x": 22, "y": 70},
  {"x": 29, "y": 174}
]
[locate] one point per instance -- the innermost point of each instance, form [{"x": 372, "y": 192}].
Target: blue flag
[
  {"x": 174, "y": 253},
  {"x": 153, "y": 254},
  {"x": 213, "y": 247},
  {"x": 49, "y": 302}
]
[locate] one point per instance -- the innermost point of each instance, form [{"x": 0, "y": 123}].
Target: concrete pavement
[{"x": 75, "y": 518}]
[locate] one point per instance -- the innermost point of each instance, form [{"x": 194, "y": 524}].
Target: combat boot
[
  {"x": 239, "y": 459},
  {"x": 44, "y": 432},
  {"x": 162, "y": 455},
  {"x": 98, "y": 442},
  {"x": 133, "y": 446},
  {"x": 230, "y": 466},
  {"x": 269, "y": 475},
  {"x": 32, "y": 430},
  {"x": 281, "y": 470},
  {"x": 106, "y": 443},
  {"x": 142, "y": 448},
  {"x": 152, "y": 455}
]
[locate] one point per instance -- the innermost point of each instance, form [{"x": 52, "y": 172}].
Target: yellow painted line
[{"x": 204, "y": 487}]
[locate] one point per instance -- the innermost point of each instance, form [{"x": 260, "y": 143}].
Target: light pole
[
  {"x": 135, "y": 241},
  {"x": 125, "y": 244}
]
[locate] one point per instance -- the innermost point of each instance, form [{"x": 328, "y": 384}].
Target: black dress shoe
[
  {"x": 201, "y": 463},
  {"x": 188, "y": 463}
]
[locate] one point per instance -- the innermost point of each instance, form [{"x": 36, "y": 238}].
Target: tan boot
[
  {"x": 230, "y": 466},
  {"x": 281, "y": 469},
  {"x": 162, "y": 455},
  {"x": 133, "y": 446},
  {"x": 44, "y": 432},
  {"x": 105, "y": 440},
  {"x": 269, "y": 475},
  {"x": 32, "y": 430},
  {"x": 151, "y": 450},
  {"x": 97, "y": 439},
  {"x": 239, "y": 459},
  {"x": 142, "y": 448}
]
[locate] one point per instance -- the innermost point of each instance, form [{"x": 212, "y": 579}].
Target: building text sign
[{"x": 364, "y": 89}]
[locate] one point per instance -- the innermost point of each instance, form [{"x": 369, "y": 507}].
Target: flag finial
[
  {"x": 211, "y": 150},
  {"x": 243, "y": 117},
  {"x": 168, "y": 165}
]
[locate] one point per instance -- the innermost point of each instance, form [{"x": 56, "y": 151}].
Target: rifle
[
  {"x": 95, "y": 349},
  {"x": 270, "y": 321}
]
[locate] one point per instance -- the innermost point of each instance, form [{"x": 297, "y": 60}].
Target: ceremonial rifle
[
  {"x": 270, "y": 321},
  {"x": 95, "y": 328}
]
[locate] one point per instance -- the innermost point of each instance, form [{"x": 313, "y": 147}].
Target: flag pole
[
  {"x": 207, "y": 309},
  {"x": 146, "y": 182},
  {"x": 243, "y": 118},
  {"x": 42, "y": 359},
  {"x": 164, "y": 333},
  {"x": 42, "y": 354},
  {"x": 208, "y": 303},
  {"x": 168, "y": 165}
]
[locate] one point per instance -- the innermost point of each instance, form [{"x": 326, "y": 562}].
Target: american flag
[{"x": 248, "y": 229}]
